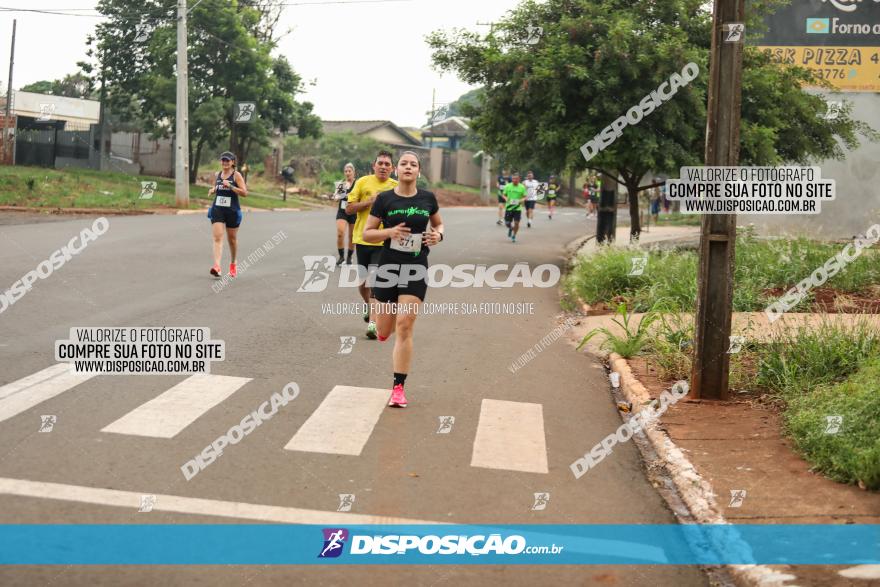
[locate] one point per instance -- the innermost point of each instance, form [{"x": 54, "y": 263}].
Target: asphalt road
[{"x": 153, "y": 271}]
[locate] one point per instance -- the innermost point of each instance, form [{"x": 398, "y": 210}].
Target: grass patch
[
  {"x": 88, "y": 188},
  {"x": 852, "y": 455},
  {"x": 831, "y": 371},
  {"x": 670, "y": 278},
  {"x": 678, "y": 219},
  {"x": 80, "y": 188},
  {"x": 810, "y": 374}
]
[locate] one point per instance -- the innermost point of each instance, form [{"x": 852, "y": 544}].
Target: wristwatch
[{"x": 441, "y": 237}]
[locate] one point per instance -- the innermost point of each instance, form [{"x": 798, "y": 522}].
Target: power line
[{"x": 95, "y": 14}]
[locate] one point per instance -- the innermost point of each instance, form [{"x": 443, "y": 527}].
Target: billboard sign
[{"x": 838, "y": 39}]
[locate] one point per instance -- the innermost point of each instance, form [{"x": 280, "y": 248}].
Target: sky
[{"x": 346, "y": 47}]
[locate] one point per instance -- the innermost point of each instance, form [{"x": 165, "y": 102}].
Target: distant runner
[
  {"x": 360, "y": 199},
  {"x": 502, "y": 181},
  {"x": 225, "y": 210},
  {"x": 413, "y": 216},
  {"x": 514, "y": 195},
  {"x": 344, "y": 222},
  {"x": 552, "y": 191},
  {"x": 531, "y": 197}
]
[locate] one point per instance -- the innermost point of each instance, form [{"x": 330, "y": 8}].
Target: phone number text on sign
[
  {"x": 140, "y": 350},
  {"x": 855, "y": 69}
]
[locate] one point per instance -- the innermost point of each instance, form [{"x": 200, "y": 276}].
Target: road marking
[
  {"x": 22, "y": 395},
  {"x": 861, "y": 572},
  {"x": 510, "y": 436},
  {"x": 165, "y": 416},
  {"x": 191, "y": 505},
  {"x": 343, "y": 422}
]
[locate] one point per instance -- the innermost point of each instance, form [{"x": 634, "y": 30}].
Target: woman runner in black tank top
[
  {"x": 225, "y": 211},
  {"x": 344, "y": 222}
]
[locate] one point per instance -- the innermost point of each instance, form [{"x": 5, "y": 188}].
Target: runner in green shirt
[{"x": 514, "y": 195}]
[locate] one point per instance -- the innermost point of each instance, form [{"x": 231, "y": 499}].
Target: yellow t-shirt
[{"x": 364, "y": 189}]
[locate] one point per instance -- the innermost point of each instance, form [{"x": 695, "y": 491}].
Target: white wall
[{"x": 74, "y": 109}]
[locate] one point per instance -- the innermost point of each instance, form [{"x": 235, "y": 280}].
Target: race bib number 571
[{"x": 409, "y": 244}]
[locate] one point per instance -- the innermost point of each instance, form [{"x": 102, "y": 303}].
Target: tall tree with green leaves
[
  {"x": 230, "y": 60},
  {"x": 596, "y": 59},
  {"x": 72, "y": 85}
]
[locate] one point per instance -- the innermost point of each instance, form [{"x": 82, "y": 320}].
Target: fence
[{"x": 60, "y": 144}]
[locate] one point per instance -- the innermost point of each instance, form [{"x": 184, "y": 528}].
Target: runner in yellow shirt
[{"x": 360, "y": 200}]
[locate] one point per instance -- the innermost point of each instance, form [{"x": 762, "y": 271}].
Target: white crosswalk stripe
[
  {"x": 343, "y": 422},
  {"x": 510, "y": 436},
  {"x": 25, "y": 393},
  {"x": 166, "y": 415}
]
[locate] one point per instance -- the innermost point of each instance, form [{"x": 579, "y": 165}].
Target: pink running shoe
[
  {"x": 233, "y": 270},
  {"x": 398, "y": 398}
]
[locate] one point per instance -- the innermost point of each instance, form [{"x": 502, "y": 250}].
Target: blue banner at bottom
[{"x": 250, "y": 544}]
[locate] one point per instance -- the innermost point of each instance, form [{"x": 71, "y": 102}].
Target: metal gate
[
  {"x": 35, "y": 147},
  {"x": 449, "y": 171}
]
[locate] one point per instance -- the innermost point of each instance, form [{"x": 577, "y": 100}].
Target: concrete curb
[
  {"x": 87, "y": 211},
  {"x": 696, "y": 493}
]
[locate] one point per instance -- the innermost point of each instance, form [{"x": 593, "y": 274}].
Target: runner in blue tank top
[{"x": 225, "y": 210}]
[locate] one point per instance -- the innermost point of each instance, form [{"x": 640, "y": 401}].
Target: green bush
[
  {"x": 852, "y": 455},
  {"x": 670, "y": 277}
]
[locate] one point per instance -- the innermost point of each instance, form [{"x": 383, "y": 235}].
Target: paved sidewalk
[
  {"x": 657, "y": 234},
  {"x": 739, "y": 446}
]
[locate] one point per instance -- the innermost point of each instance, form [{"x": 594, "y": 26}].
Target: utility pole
[
  {"x": 181, "y": 135},
  {"x": 6, "y": 138},
  {"x": 103, "y": 155},
  {"x": 710, "y": 376},
  {"x": 433, "y": 115}
]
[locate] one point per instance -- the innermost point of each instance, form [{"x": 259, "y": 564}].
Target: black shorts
[
  {"x": 341, "y": 215},
  {"x": 551, "y": 198},
  {"x": 501, "y": 200},
  {"x": 367, "y": 256},
  {"x": 511, "y": 215},
  {"x": 530, "y": 204},
  {"x": 391, "y": 293},
  {"x": 231, "y": 217},
  {"x": 594, "y": 199}
]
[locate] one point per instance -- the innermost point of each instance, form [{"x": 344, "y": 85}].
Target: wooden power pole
[
  {"x": 8, "y": 138},
  {"x": 181, "y": 134},
  {"x": 718, "y": 236}
]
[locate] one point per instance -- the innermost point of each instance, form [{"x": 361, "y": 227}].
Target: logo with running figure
[
  {"x": 318, "y": 270},
  {"x": 346, "y": 344},
  {"x": 541, "y": 501},
  {"x": 833, "y": 424},
  {"x": 147, "y": 503},
  {"x": 148, "y": 188},
  {"x": 639, "y": 264},
  {"x": 346, "y": 501},
  {"x": 334, "y": 542},
  {"x": 736, "y": 344},
  {"x": 47, "y": 423},
  {"x": 737, "y": 496},
  {"x": 533, "y": 34},
  {"x": 446, "y": 423}
]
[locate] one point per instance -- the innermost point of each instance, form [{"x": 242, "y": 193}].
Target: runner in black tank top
[
  {"x": 225, "y": 211},
  {"x": 344, "y": 222}
]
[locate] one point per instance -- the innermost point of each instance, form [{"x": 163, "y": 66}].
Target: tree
[
  {"x": 230, "y": 45},
  {"x": 74, "y": 85},
  {"x": 598, "y": 58},
  {"x": 329, "y": 153}
]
